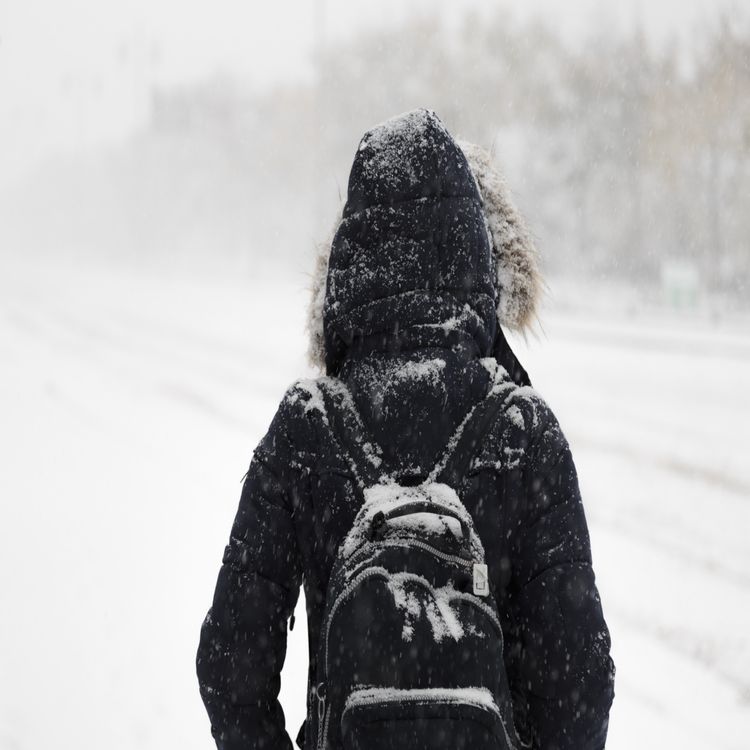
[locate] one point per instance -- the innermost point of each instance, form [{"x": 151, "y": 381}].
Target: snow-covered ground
[{"x": 130, "y": 407}]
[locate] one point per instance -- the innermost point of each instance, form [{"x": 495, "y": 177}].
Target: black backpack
[{"x": 411, "y": 648}]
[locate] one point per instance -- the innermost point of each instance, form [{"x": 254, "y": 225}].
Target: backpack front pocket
[{"x": 379, "y": 718}]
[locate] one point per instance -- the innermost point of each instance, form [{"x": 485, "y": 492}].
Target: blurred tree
[
  {"x": 720, "y": 132},
  {"x": 622, "y": 157}
]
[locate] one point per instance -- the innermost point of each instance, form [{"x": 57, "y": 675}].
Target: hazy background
[
  {"x": 170, "y": 134},
  {"x": 165, "y": 170}
]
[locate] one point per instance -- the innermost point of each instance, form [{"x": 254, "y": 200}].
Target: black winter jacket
[{"x": 413, "y": 291}]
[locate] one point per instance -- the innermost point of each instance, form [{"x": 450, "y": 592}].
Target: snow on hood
[{"x": 385, "y": 164}]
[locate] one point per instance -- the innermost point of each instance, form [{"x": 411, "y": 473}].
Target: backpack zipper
[
  {"x": 374, "y": 696},
  {"x": 371, "y": 546},
  {"x": 323, "y": 741},
  {"x": 384, "y": 573},
  {"x": 466, "y": 562},
  {"x": 323, "y": 709}
]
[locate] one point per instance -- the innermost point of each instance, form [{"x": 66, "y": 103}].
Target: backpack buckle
[{"x": 377, "y": 526}]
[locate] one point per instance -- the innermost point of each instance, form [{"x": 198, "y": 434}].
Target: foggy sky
[{"x": 77, "y": 74}]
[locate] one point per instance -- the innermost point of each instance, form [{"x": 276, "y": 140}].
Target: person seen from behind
[{"x": 420, "y": 490}]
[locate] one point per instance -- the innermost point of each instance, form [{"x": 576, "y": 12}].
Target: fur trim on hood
[
  {"x": 518, "y": 279},
  {"x": 519, "y": 282}
]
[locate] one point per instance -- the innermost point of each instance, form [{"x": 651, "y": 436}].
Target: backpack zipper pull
[
  {"x": 377, "y": 525},
  {"x": 480, "y": 579},
  {"x": 320, "y": 694}
]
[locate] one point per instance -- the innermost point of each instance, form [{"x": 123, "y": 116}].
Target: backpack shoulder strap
[
  {"x": 363, "y": 454},
  {"x": 469, "y": 435}
]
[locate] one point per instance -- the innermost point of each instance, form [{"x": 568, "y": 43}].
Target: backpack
[{"x": 410, "y": 653}]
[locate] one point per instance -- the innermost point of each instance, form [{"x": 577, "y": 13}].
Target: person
[{"x": 428, "y": 263}]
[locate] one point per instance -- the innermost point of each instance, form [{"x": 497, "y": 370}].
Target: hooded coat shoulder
[{"x": 428, "y": 262}]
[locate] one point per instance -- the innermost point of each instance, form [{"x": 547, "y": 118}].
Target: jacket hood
[{"x": 428, "y": 250}]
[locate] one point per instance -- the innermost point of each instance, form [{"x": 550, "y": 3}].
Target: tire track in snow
[
  {"x": 672, "y": 464},
  {"x": 662, "y": 341},
  {"x": 200, "y": 402},
  {"x": 709, "y": 565},
  {"x": 180, "y": 387},
  {"x": 684, "y": 643},
  {"x": 652, "y": 415},
  {"x": 674, "y": 719}
]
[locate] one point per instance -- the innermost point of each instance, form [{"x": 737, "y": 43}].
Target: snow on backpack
[{"x": 411, "y": 649}]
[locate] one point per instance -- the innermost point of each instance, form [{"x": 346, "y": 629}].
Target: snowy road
[{"x": 130, "y": 408}]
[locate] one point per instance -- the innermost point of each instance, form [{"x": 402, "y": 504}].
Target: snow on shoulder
[{"x": 523, "y": 416}]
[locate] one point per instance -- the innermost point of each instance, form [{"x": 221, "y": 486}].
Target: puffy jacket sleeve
[
  {"x": 243, "y": 637},
  {"x": 565, "y": 672}
]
